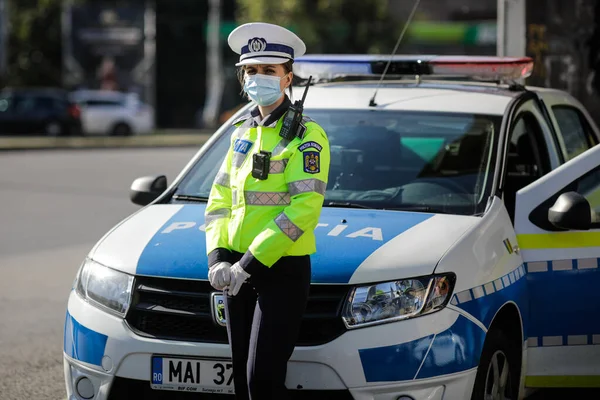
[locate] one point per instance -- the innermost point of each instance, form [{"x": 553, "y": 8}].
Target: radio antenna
[
  {"x": 306, "y": 89},
  {"x": 408, "y": 21}
]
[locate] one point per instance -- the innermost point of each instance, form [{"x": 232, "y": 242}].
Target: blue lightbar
[{"x": 332, "y": 66}]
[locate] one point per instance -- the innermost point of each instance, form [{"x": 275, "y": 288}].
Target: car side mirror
[
  {"x": 146, "y": 189},
  {"x": 571, "y": 211}
]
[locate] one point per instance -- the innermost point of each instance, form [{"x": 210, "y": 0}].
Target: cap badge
[{"x": 257, "y": 44}]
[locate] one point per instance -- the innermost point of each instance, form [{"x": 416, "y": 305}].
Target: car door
[
  {"x": 92, "y": 115},
  {"x": 26, "y": 117},
  {"x": 98, "y": 115},
  {"x": 87, "y": 116},
  {"x": 563, "y": 276}
]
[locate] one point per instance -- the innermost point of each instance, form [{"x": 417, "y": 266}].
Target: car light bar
[{"x": 328, "y": 67}]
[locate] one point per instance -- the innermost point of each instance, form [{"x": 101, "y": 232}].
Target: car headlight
[
  {"x": 397, "y": 300},
  {"x": 105, "y": 287}
]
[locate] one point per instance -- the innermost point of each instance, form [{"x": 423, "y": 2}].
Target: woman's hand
[
  {"x": 219, "y": 275},
  {"x": 237, "y": 278}
]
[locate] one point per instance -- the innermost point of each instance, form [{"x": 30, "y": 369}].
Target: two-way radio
[{"x": 293, "y": 117}]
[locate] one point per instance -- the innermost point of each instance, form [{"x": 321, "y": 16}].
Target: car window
[
  {"x": 576, "y": 133},
  {"x": 28, "y": 103},
  {"x": 103, "y": 103},
  {"x": 24, "y": 104},
  {"x": 527, "y": 158},
  {"x": 527, "y": 154},
  {"x": 396, "y": 159},
  {"x": 46, "y": 104},
  {"x": 393, "y": 159}
]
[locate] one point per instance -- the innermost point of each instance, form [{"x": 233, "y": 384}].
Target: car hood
[{"x": 353, "y": 245}]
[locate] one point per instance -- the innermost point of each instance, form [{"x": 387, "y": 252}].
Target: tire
[
  {"x": 493, "y": 382},
  {"x": 53, "y": 129},
  {"x": 77, "y": 131},
  {"x": 121, "y": 129}
]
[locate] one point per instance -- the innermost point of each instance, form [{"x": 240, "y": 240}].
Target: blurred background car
[
  {"x": 34, "y": 111},
  {"x": 106, "y": 112}
]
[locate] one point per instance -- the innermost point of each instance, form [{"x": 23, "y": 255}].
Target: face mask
[{"x": 263, "y": 89}]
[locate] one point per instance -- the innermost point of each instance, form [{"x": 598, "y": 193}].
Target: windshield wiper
[
  {"x": 346, "y": 205},
  {"x": 188, "y": 197},
  {"x": 417, "y": 208}
]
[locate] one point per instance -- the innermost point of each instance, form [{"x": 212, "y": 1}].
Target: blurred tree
[
  {"x": 34, "y": 43},
  {"x": 329, "y": 26}
]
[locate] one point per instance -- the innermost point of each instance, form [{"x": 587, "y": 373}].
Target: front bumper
[{"x": 376, "y": 363}]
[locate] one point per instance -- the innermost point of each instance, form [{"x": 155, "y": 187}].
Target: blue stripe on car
[
  {"x": 345, "y": 238},
  {"x": 485, "y": 308},
  {"x": 338, "y": 257},
  {"x": 399, "y": 362},
  {"x": 566, "y": 302},
  {"x": 177, "y": 253},
  {"x": 82, "y": 343},
  {"x": 456, "y": 349}
]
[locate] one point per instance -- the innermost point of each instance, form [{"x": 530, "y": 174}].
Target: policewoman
[{"x": 263, "y": 208}]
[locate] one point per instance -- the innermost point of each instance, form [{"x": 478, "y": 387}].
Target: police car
[{"x": 457, "y": 252}]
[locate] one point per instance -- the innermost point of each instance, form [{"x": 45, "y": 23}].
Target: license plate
[{"x": 192, "y": 375}]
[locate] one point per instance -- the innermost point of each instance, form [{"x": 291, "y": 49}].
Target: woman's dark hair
[{"x": 287, "y": 67}]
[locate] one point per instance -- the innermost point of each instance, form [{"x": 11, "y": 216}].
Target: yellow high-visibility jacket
[{"x": 276, "y": 217}]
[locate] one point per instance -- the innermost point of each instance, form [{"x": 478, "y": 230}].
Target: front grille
[
  {"x": 174, "y": 309},
  {"x": 127, "y": 389}
]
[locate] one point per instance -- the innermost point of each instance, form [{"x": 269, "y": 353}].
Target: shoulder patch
[
  {"x": 306, "y": 119},
  {"x": 312, "y": 162},
  {"x": 309, "y": 145}
]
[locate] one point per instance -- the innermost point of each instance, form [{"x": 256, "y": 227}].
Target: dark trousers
[{"x": 263, "y": 322}]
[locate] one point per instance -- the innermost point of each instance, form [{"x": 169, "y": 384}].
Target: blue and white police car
[{"x": 458, "y": 248}]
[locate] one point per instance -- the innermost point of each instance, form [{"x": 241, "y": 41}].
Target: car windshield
[{"x": 401, "y": 160}]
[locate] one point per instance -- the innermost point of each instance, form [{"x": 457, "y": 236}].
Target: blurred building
[
  {"x": 181, "y": 61},
  {"x": 449, "y": 26},
  {"x": 564, "y": 40},
  {"x": 157, "y": 48},
  {"x": 109, "y": 45}
]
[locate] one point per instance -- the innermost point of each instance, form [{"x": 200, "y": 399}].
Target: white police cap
[{"x": 262, "y": 43}]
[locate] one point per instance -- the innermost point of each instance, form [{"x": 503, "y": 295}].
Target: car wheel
[
  {"x": 121, "y": 130},
  {"x": 499, "y": 370},
  {"x": 77, "y": 131},
  {"x": 53, "y": 128}
]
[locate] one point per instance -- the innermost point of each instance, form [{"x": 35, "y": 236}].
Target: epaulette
[{"x": 302, "y": 128}]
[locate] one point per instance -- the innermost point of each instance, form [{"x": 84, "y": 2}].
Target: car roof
[
  {"x": 47, "y": 91},
  {"x": 100, "y": 94},
  {"x": 446, "y": 96}
]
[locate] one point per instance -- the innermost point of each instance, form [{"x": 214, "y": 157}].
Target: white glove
[
  {"x": 238, "y": 277},
  {"x": 218, "y": 275}
]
